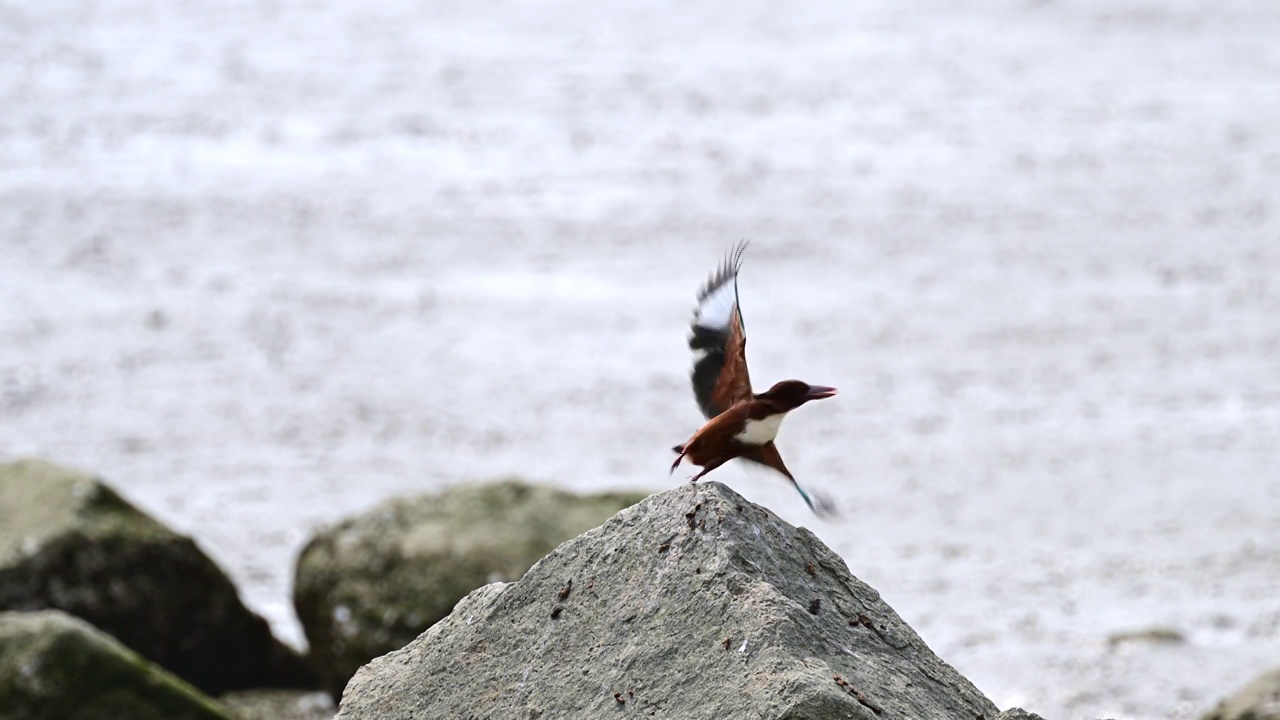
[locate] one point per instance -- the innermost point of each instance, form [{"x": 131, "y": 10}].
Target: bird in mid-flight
[{"x": 740, "y": 423}]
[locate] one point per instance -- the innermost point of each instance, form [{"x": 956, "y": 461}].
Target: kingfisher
[{"x": 740, "y": 423}]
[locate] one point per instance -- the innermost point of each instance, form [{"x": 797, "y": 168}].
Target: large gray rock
[
  {"x": 371, "y": 584},
  {"x": 1259, "y": 700},
  {"x": 692, "y": 604},
  {"x": 68, "y": 542},
  {"x": 57, "y": 667}
]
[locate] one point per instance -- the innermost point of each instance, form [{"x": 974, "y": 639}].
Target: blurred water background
[{"x": 267, "y": 263}]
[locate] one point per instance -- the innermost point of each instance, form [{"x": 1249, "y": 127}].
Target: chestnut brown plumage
[{"x": 741, "y": 424}]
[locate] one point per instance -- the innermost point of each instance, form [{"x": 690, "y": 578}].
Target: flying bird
[{"x": 740, "y": 423}]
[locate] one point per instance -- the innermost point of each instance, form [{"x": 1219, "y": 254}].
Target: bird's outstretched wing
[{"x": 719, "y": 340}]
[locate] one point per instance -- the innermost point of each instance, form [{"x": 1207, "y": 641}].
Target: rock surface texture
[
  {"x": 1259, "y": 700},
  {"x": 373, "y": 583},
  {"x": 692, "y": 604},
  {"x": 57, "y": 667},
  {"x": 68, "y": 542}
]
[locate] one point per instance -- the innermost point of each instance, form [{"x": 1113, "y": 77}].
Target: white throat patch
[{"x": 759, "y": 432}]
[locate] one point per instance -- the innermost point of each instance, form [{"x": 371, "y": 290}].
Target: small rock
[
  {"x": 279, "y": 705},
  {"x": 57, "y": 667},
  {"x": 68, "y": 542},
  {"x": 1259, "y": 700},
  {"x": 1155, "y": 635},
  {"x": 371, "y": 584},
  {"x": 647, "y": 629}
]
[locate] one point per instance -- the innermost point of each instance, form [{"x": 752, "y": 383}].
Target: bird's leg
[{"x": 707, "y": 468}]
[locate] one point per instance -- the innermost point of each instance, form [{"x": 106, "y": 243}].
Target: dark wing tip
[
  {"x": 727, "y": 270},
  {"x": 737, "y": 255},
  {"x": 737, "y": 266}
]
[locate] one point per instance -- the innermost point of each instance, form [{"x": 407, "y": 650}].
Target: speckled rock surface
[
  {"x": 68, "y": 542},
  {"x": 692, "y": 604},
  {"x": 373, "y": 583}
]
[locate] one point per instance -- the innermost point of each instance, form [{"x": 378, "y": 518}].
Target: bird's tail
[
  {"x": 823, "y": 507},
  {"x": 807, "y": 500},
  {"x": 679, "y": 450}
]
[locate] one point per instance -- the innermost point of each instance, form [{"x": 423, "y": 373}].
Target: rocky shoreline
[
  {"x": 494, "y": 600},
  {"x": 91, "y": 584}
]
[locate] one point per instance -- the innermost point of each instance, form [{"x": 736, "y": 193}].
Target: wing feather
[{"x": 719, "y": 340}]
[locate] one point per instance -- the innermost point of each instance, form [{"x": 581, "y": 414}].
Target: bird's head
[{"x": 791, "y": 394}]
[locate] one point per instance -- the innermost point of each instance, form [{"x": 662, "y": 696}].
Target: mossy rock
[
  {"x": 57, "y": 667},
  {"x": 68, "y": 542},
  {"x": 372, "y": 583}
]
